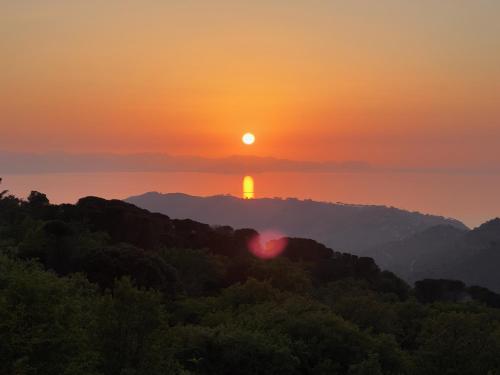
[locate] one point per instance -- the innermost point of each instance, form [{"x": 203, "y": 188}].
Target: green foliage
[
  {"x": 104, "y": 288},
  {"x": 459, "y": 343},
  {"x": 296, "y": 279},
  {"x": 58, "y": 245},
  {"x": 132, "y": 331},
  {"x": 198, "y": 272},
  {"x": 105, "y": 264},
  {"x": 229, "y": 350},
  {"x": 369, "y": 366},
  {"x": 44, "y": 322}
]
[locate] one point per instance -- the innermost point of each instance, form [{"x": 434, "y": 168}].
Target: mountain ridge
[
  {"x": 472, "y": 256},
  {"x": 337, "y": 225}
]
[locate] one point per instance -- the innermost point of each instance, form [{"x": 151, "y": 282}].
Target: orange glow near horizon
[
  {"x": 315, "y": 80},
  {"x": 248, "y": 188}
]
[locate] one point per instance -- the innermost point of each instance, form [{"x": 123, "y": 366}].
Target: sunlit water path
[{"x": 470, "y": 198}]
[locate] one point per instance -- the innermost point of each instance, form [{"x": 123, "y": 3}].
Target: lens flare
[{"x": 268, "y": 244}]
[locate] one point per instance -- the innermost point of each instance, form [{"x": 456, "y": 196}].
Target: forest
[{"x": 103, "y": 287}]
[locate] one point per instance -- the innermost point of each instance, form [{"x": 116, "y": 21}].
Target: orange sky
[{"x": 392, "y": 82}]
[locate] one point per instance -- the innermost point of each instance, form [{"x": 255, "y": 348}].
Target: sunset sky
[{"x": 414, "y": 83}]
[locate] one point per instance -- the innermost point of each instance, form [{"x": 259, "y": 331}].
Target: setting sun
[
  {"x": 121, "y": 170},
  {"x": 248, "y": 138}
]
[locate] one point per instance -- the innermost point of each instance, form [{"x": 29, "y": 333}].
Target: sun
[{"x": 248, "y": 138}]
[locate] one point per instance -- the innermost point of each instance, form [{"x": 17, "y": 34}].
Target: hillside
[
  {"x": 350, "y": 228},
  {"x": 103, "y": 287},
  {"x": 446, "y": 252}
]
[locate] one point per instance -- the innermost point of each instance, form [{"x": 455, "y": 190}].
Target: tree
[
  {"x": 283, "y": 274},
  {"x": 459, "y": 343},
  {"x": 37, "y": 199},
  {"x": 45, "y": 322},
  {"x": 148, "y": 270},
  {"x": 132, "y": 333},
  {"x": 228, "y": 350},
  {"x": 198, "y": 272}
]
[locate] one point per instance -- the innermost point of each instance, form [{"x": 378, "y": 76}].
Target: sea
[{"x": 471, "y": 198}]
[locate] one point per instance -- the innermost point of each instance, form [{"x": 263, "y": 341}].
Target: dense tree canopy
[{"x": 103, "y": 287}]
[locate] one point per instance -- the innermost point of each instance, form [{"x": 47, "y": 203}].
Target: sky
[{"x": 398, "y": 83}]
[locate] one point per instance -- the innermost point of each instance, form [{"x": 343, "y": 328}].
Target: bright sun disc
[{"x": 248, "y": 138}]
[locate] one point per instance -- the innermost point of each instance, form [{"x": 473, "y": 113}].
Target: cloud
[
  {"x": 33, "y": 163},
  {"x": 27, "y": 163}
]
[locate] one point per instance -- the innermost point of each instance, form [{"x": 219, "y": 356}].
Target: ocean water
[{"x": 472, "y": 199}]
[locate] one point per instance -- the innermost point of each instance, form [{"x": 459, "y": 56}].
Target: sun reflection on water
[{"x": 248, "y": 188}]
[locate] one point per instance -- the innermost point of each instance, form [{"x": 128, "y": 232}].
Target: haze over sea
[{"x": 472, "y": 199}]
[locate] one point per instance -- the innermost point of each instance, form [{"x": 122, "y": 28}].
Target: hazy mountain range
[
  {"x": 411, "y": 244},
  {"x": 63, "y": 162},
  {"x": 19, "y": 163},
  {"x": 343, "y": 227},
  {"x": 446, "y": 252}
]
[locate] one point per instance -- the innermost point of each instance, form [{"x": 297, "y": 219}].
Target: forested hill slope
[
  {"x": 126, "y": 223},
  {"x": 349, "y": 228},
  {"x": 106, "y": 288},
  {"x": 446, "y": 252},
  {"x": 110, "y": 238}
]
